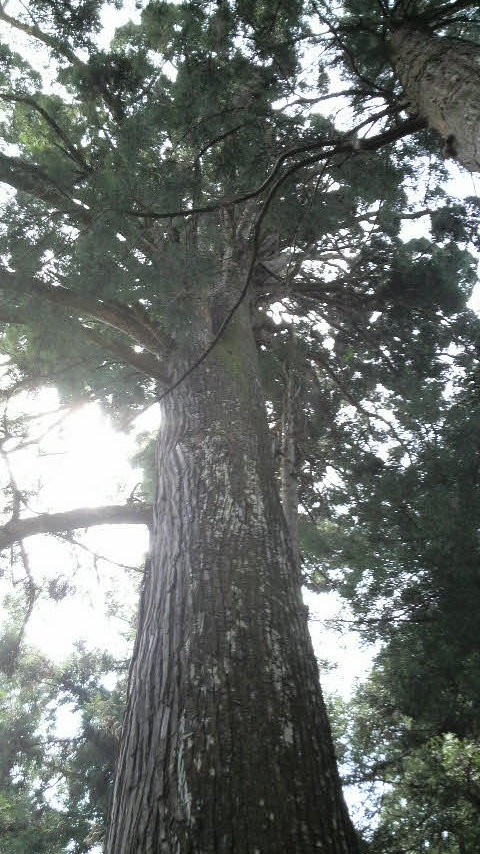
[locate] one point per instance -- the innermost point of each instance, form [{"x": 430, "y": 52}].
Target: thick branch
[
  {"x": 327, "y": 149},
  {"x": 69, "y": 520},
  {"x": 39, "y": 35},
  {"x": 144, "y": 362},
  {"x": 131, "y": 320},
  {"x": 69, "y": 148},
  {"x": 27, "y": 178}
]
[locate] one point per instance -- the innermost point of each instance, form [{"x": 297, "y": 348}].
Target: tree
[
  {"x": 445, "y": 91},
  {"x": 433, "y": 48},
  {"x": 166, "y": 198},
  {"x": 55, "y": 790},
  {"x": 416, "y": 791},
  {"x": 410, "y": 734}
]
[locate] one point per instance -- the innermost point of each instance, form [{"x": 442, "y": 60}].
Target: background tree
[
  {"x": 408, "y": 558},
  {"x": 431, "y": 48},
  {"x": 55, "y": 789}
]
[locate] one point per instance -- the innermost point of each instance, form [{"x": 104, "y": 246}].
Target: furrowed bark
[
  {"x": 288, "y": 463},
  {"x": 226, "y": 745},
  {"x": 441, "y": 79}
]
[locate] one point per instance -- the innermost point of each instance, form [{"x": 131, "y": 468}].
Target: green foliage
[
  {"x": 183, "y": 109},
  {"x": 54, "y": 790},
  {"x": 404, "y": 553},
  {"x": 457, "y": 222},
  {"x": 436, "y": 799},
  {"x": 417, "y": 789},
  {"x": 69, "y": 19}
]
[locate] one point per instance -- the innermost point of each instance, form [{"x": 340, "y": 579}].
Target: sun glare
[{"x": 80, "y": 461}]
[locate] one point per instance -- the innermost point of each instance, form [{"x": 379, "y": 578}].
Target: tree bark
[
  {"x": 288, "y": 460},
  {"x": 441, "y": 78},
  {"x": 226, "y": 745}
]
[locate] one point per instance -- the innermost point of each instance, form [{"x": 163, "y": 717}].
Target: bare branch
[
  {"x": 343, "y": 93},
  {"x": 82, "y": 517},
  {"x": 72, "y": 541}
]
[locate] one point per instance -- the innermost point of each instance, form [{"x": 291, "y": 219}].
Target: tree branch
[
  {"x": 370, "y": 416},
  {"x": 62, "y": 49},
  {"x": 133, "y": 321},
  {"x": 144, "y": 362},
  {"x": 347, "y": 144},
  {"x": 216, "y": 139},
  {"x": 39, "y": 35},
  {"x": 442, "y": 13},
  {"x": 28, "y": 178},
  {"x": 82, "y": 517},
  {"x": 70, "y": 150},
  {"x": 31, "y": 589}
]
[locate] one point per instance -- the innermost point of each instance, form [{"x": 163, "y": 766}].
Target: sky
[{"x": 82, "y": 462}]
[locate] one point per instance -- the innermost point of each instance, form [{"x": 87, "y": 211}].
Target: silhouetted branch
[{"x": 69, "y": 520}]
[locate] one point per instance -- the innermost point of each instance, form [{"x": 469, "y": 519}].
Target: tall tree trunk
[
  {"x": 441, "y": 79},
  {"x": 226, "y": 745}
]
